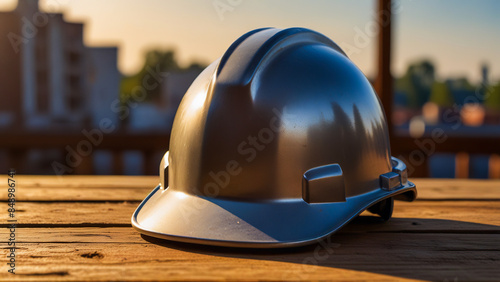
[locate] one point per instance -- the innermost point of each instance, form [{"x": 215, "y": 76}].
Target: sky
[{"x": 457, "y": 35}]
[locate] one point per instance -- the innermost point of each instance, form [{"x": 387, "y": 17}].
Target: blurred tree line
[
  {"x": 419, "y": 85},
  {"x": 416, "y": 87},
  {"x": 155, "y": 61}
]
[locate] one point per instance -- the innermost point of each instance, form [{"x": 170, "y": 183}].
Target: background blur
[{"x": 91, "y": 87}]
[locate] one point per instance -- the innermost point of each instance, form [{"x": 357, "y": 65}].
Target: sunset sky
[{"x": 458, "y": 35}]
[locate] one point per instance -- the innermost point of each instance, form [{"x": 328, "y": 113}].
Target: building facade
[{"x": 50, "y": 78}]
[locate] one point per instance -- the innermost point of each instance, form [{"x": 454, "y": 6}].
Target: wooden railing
[
  {"x": 411, "y": 150},
  {"x": 151, "y": 145}
]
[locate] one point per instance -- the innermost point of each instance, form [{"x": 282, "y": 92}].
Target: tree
[
  {"x": 441, "y": 95},
  {"x": 417, "y": 82},
  {"x": 156, "y": 61},
  {"x": 492, "y": 98}
]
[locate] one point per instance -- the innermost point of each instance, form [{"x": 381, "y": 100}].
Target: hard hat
[{"x": 280, "y": 142}]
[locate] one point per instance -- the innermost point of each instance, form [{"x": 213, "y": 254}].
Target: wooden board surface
[
  {"x": 78, "y": 228},
  {"x": 135, "y": 188},
  {"x": 418, "y": 215},
  {"x": 122, "y": 256}
]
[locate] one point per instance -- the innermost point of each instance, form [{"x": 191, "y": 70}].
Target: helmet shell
[
  {"x": 279, "y": 143},
  {"x": 277, "y": 104}
]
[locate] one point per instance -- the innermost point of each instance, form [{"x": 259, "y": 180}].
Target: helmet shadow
[{"x": 414, "y": 248}]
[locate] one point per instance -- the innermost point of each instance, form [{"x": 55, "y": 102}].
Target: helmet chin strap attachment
[
  {"x": 390, "y": 181},
  {"x": 317, "y": 186},
  {"x": 396, "y": 178}
]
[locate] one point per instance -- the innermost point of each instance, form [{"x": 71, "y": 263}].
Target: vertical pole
[
  {"x": 494, "y": 167},
  {"x": 16, "y": 159},
  {"x": 118, "y": 166},
  {"x": 462, "y": 165},
  {"x": 150, "y": 164},
  {"x": 383, "y": 82},
  {"x": 86, "y": 167}
]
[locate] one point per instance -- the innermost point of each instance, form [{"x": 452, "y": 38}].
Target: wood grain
[
  {"x": 77, "y": 228},
  {"x": 51, "y": 194},
  {"x": 412, "y": 217},
  {"x": 89, "y": 181},
  {"x": 457, "y": 189},
  {"x": 136, "y": 188},
  {"x": 376, "y": 257}
]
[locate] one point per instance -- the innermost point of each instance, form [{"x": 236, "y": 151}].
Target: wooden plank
[
  {"x": 431, "y": 239},
  {"x": 136, "y": 188},
  {"x": 348, "y": 257},
  {"x": 74, "y": 235},
  {"x": 94, "y": 234},
  {"x": 72, "y": 213},
  {"x": 83, "y": 181},
  {"x": 81, "y": 188},
  {"x": 79, "y": 194},
  {"x": 457, "y": 189},
  {"x": 420, "y": 216}
]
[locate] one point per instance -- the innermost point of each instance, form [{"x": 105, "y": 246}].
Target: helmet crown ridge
[{"x": 264, "y": 42}]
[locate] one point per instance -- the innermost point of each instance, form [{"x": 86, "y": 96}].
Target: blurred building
[
  {"x": 103, "y": 83},
  {"x": 49, "y": 77}
]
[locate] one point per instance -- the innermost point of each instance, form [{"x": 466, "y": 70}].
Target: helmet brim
[{"x": 178, "y": 216}]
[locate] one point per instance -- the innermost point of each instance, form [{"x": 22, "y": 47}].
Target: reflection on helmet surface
[{"x": 327, "y": 113}]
